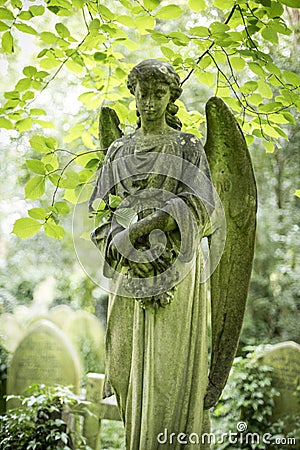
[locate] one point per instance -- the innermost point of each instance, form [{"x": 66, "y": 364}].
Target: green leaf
[
  {"x": 70, "y": 180},
  {"x": 270, "y": 35},
  {"x": 23, "y": 84},
  {"x": 5, "y": 123},
  {"x": 49, "y": 63},
  {"x": 179, "y": 38},
  {"x": 25, "y": 15},
  {"x": 169, "y": 12},
  {"x": 24, "y": 124},
  {"x": 114, "y": 201},
  {"x": 3, "y": 26},
  {"x": 36, "y": 166},
  {"x": 144, "y": 23},
  {"x": 37, "y": 213},
  {"x": 269, "y": 146},
  {"x": 35, "y": 188},
  {"x": 205, "y": 62},
  {"x": 62, "y": 30},
  {"x": 53, "y": 230},
  {"x": 126, "y": 20},
  {"x": 25, "y": 28},
  {"x": 125, "y": 216},
  {"x": 197, "y": 5},
  {"x": 264, "y": 89},
  {"x": 206, "y": 78},
  {"x": 276, "y": 9},
  {"x": 167, "y": 52},
  {"x": 200, "y": 31},
  {"x": 224, "y": 4},
  {"x": 255, "y": 99},
  {"x": 48, "y": 37},
  {"x": 219, "y": 27},
  {"x": 257, "y": 69},
  {"x": 6, "y": 14},
  {"x": 62, "y": 207},
  {"x": 37, "y": 112},
  {"x": 94, "y": 25},
  {"x": 237, "y": 63},
  {"x": 291, "y": 3},
  {"x": 8, "y": 42},
  {"x": 26, "y": 227},
  {"x": 55, "y": 179},
  {"x": 105, "y": 12},
  {"x": 50, "y": 161},
  {"x": 249, "y": 87},
  {"x": 292, "y": 77},
  {"x": 29, "y": 71},
  {"x": 42, "y": 144},
  {"x": 37, "y": 10},
  {"x": 74, "y": 67},
  {"x": 151, "y": 4}
]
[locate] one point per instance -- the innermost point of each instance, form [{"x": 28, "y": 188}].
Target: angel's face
[{"x": 152, "y": 98}]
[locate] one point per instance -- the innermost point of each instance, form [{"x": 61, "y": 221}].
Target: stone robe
[{"x": 157, "y": 358}]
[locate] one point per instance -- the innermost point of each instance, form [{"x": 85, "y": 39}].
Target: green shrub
[
  {"x": 248, "y": 401},
  {"x": 41, "y": 422}
]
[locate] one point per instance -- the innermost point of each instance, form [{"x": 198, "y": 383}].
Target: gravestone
[
  {"x": 60, "y": 315},
  {"x": 44, "y": 356},
  {"x": 87, "y": 334},
  {"x": 285, "y": 360}
]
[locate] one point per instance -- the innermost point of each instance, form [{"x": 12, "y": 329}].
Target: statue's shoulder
[
  {"x": 189, "y": 144},
  {"x": 117, "y": 145}
]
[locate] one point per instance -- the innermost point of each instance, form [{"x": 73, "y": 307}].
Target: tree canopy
[{"x": 235, "y": 48}]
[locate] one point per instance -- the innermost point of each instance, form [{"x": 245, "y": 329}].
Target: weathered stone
[
  {"x": 232, "y": 174},
  {"x": 156, "y": 341},
  {"x": 100, "y": 409},
  {"x": 285, "y": 360},
  {"x": 87, "y": 334},
  {"x": 44, "y": 356},
  {"x": 60, "y": 315}
]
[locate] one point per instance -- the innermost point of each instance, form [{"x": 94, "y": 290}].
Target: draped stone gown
[{"x": 157, "y": 358}]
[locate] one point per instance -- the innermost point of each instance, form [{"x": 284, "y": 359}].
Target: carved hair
[{"x": 163, "y": 72}]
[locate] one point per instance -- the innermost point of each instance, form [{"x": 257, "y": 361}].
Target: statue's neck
[{"x": 153, "y": 127}]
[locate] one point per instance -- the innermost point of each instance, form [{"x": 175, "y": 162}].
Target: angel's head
[{"x": 161, "y": 73}]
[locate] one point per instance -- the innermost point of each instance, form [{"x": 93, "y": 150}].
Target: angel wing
[
  {"x": 108, "y": 127},
  {"x": 233, "y": 178}
]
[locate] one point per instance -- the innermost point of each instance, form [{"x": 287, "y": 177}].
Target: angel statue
[{"x": 163, "y": 364}]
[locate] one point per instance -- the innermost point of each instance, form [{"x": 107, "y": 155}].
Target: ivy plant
[{"x": 39, "y": 423}]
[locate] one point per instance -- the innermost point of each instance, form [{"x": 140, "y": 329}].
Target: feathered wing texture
[
  {"x": 108, "y": 132},
  {"x": 108, "y": 127},
  {"x": 233, "y": 178}
]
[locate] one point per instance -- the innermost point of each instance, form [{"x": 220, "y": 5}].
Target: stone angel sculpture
[{"x": 157, "y": 358}]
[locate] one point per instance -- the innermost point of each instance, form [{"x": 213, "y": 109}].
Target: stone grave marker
[
  {"x": 45, "y": 355},
  {"x": 285, "y": 360},
  {"x": 86, "y": 333}
]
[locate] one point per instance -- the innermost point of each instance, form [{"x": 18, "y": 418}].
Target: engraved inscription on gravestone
[
  {"x": 45, "y": 355},
  {"x": 285, "y": 360}
]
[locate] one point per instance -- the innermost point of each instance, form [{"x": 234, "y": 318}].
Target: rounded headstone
[
  {"x": 44, "y": 356},
  {"x": 285, "y": 360}
]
